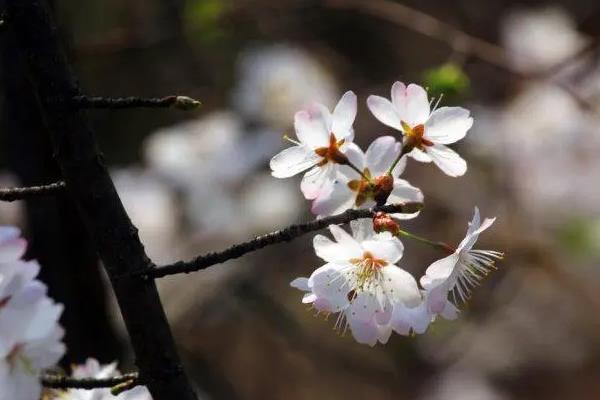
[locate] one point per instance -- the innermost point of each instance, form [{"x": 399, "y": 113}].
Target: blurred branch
[
  {"x": 283, "y": 235},
  {"x": 67, "y": 382},
  {"x": 462, "y": 42},
  {"x": 179, "y": 102},
  {"x": 21, "y": 193}
]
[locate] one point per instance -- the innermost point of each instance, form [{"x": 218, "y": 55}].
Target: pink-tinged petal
[
  {"x": 384, "y": 111},
  {"x": 399, "y": 95},
  {"x": 12, "y": 249},
  {"x": 381, "y": 154},
  {"x": 390, "y": 250},
  {"x": 385, "y": 331},
  {"x": 404, "y": 192},
  {"x": 356, "y": 156},
  {"x": 292, "y": 161},
  {"x": 450, "y": 312},
  {"x": 406, "y": 320},
  {"x": 447, "y": 160},
  {"x": 364, "y": 332},
  {"x": 330, "y": 285},
  {"x": 419, "y": 155},
  {"x": 447, "y": 125},
  {"x": 400, "y": 286},
  {"x": 334, "y": 200},
  {"x": 300, "y": 284},
  {"x": 9, "y": 232},
  {"x": 344, "y": 115},
  {"x": 363, "y": 307},
  {"x": 411, "y": 103},
  {"x": 437, "y": 297},
  {"x": 311, "y": 128},
  {"x": 318, "y": 179},
  {"x": 322, "y": 112},
  {"x": 362, "y": 229}
]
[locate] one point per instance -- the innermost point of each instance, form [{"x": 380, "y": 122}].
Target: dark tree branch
[
  {"x": 22, "y": 193},
  {"x": 67, "y": 382},
  {"x": 283, "y": 235},
  {"x": 179, "y": 102},
  {"x": 90, "y": 186}
]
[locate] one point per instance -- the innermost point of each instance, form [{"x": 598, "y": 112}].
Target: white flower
[
  {"x": 93, "y": 369},
  {"x": 360, "y": 280},
  {"x": 462, "y": 270},
  {"x": 323, "y": 138},
  {"x": 406, "y": 320},
  {"x": 277, "y": 80},
  {"x": 351, "y": 190},
  {"x": 426, "y": 133},
  {"x": 30, "y": 337}
]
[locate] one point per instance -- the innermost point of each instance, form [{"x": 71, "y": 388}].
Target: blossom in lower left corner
[
  {"x": 30, "y": 336},
  {"x": 360, "y": 281}
]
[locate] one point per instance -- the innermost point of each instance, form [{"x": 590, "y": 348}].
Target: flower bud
[{"x": 383, "y": 222}]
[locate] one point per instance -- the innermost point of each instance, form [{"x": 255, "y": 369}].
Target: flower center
[
  {"x": 414, "y": 136},
  {"x": 332, "y": 152},
  {"x": 368, "y": 268},
  {"x": 366, "y": 188}
]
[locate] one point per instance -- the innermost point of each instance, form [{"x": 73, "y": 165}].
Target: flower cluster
[
  {"x": 30, "y": 336},
  {"x": 361, "y": 281}
]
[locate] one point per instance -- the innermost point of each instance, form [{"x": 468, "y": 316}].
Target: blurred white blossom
[{"x": 276, "y": 81}]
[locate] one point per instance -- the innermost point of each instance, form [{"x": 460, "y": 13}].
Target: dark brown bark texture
[{"x": 91, "y": 188}]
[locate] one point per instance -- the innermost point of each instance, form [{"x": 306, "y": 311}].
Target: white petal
[
  {"x": 447, "y": 125},
  {"x": 311, "y": 128},
  {"x": 439, "y": 270},
  {"x": 317, "y": 180},
  {"x": 447, "y": 160},
  {"x": 384, "y": 111},
  {"x": 398, "y": 95},
  {"x": 330, "y": 286},
  {"x": 364, "y": 332},
  {"x": 344, "y": 115},
  {"x": 8, "y": 232},
  {"x": 356, "y": 156},
  {"x": 450, "y": 311},
  {"x": 405, "y": 319},
  {"x": 419, "y": 156},
  {"x": 329, "y": 250},
  {"x": 322, "y": 112},
  {"x": 406, "y": 216},
  {"x": 404, "y": 192},
  {"x": 12, "y": 249},
  {"x": 363, "y": 307},
  {"x": 385, "y": 331},
  {"x": 362, "y": 229},
  {"x": 351, "y": 247},
  {"x": 412, "y": 106},
  {"x": 292, "y": 161},
  {"x": 309, "y": 298},
  {"x": 300, "y": 284},
  {"x": 381, "y": 154},
  {"x": 400, "y": 286},
  {"x": 389, "y": 250},
  {"x": 333, "y": 200}
]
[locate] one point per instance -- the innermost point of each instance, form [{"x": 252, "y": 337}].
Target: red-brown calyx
[
  {"x": 367, "y": 188},
  {"x": 414, "y": 136},
  {"x": 332, "y": 152}
]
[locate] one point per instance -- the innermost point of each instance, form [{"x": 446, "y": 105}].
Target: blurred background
[{"x": 199, "y": 181}]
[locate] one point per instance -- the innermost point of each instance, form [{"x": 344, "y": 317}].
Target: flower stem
[
  {"x": 406, "y": 148},
  {"x": 438, "y": 245},
  {"x": 354, "y": 167}
]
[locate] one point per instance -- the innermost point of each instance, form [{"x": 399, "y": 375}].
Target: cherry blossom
[
  {"x": 322, "y": 141},
  {"x": 360, "y": 281},
  {"x": 373, "y": 183},
  {"x": 93, "y": 369},
  {"x": 460, "y": 271},
  {"x": 425, "y": 133},
  {"x": 30, "y": 337}
]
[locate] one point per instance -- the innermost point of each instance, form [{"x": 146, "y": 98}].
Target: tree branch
[
  {"x": 90, "y": 186},
  {"x": 22, "y": 193},
  {"x": 114, "y": 103},
  {"x": 283, "y": 235},
  {"x": 67, "y": 382}
]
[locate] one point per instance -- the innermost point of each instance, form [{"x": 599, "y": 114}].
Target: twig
[
  {"x": 21, "y": 193},
  {"x": 178, "y": 102},
  {"x": 67, "y": 382},
  {"x": 283, "y": 235},
  {"x": 115, "y": 237}
]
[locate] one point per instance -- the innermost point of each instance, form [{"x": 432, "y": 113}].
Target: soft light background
[{"x": 199, "y": 181}]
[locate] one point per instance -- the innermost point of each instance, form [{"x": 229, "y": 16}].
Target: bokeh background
[{"x": 199, "y": 181}]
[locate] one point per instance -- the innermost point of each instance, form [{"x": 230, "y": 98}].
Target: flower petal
[
  {"x": 363, "y": 307},
  {"x": 362, "y": 229},
  {"x": 344, "y": 115},
  {"x": 300, "y": 284},
  {"x": 381, "y": 154},
  {"x": 317, "y": 180},
  {"x": 448, "y": 124},
  {"x": 390, "y": 250},
  {"x": 447, "y": 160},
  {"x": 419, "y": 155},
  {"x": 329, "y": 250},
  {"x": 292, "y": 161},
  {"x": 406, "y": 320},
  {"x": 400, "y": 286},
  {"x": 412, "y": 106},
  {"x": 333, "y": 200},
  {"x": 404, "y": 192},
  {"x": 311, "y": 127},
  {"x": 351, "y": 247},
  {"x": 364, "y": 332},
  {"x": 384, "y": 111}
]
